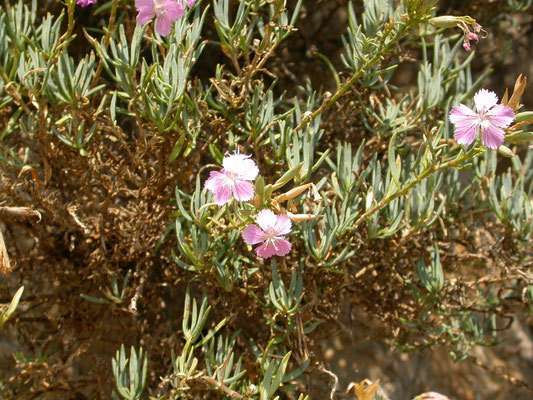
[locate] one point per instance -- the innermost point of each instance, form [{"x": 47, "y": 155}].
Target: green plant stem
[
  {"x": 348, "y": 84},
  {"x": 448, "y": 164}
]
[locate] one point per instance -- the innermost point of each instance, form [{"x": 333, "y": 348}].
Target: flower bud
[{"x": 506, "y": 151}]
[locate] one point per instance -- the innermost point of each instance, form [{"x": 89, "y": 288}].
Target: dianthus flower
[
  {"x": 166, "y": 12},
  {"x": 85, "y": 3},
  {"x": 490, "y": 117},
  {"x": 270, "y": 232},
  {"x": 233, "y": 178}
]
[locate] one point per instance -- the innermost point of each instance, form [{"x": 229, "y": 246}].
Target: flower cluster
[
  {"x": 490, "y": 117},
  {"x": 165, "y": 12},
  {"x": 234, "y": 181}
]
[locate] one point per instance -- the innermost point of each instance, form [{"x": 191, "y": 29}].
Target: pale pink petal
[
  {"x": 145, "y": 15},
  {"x": 266, "y": 219},
  {"x": 252, "y": 234},
  {"x": 283, "y": 247},
  {"x": 216, "y": 179},
  {"x": 191, "y": 3},
  {"x": 174, "y": 10},
  {"x": 241, "y": 165},
  {"x": 163, "y": 25},
  {"x": 243, "y": 190},
  {"x": 461, "y": 113},
  {"x": 266, "y": 250},
  {"x": 144, "y": 3},
  {"x": 492, "y": 136},
  {"x": 465, "y": 132},
  {"x": 501, "y": 115},
  {"x": 485, "y": 99},
  {"x": 222, "y": 195},
  {"x": 283, "y": 225},
  {"x": 218, "y": 184}
]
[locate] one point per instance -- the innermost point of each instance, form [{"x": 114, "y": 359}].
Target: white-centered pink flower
[
  {"x": 234, "y": 179},
  {"x": 166, "y": 12},
  {"x": 490, "y": 118},
  {"x": 270, "y": 232}
]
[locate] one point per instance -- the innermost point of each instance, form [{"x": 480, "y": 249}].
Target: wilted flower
[
  {"x": 490, "y": 117},
  {"x": 471, "y": 29},
  {"x": 233, "y": 178},
  {"x": 166, "y": 12},
  {"x": 270, "y": 232},
  {"x": 85, "y": 3}
]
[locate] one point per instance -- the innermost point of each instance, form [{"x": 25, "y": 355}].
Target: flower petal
[
  {"x": 266, "y": 219},
  {"x": 215, "y": 180},
  {"x": 174, "y": 10},
  {"x": 465, "y": 132},
  {"x": 492, "y": 136},
  {"x": 485, "y": 99},
  {"x": 252, "y": 234},
  {"x": 266, "y": 250},
  {"x": 144, "y": 3},
  {"x": 241, "y": 165},
  {"x": 243, "y": 190},
  {"x": 501, "y": 115},
  {"x": 461, "y": 113},
  {"x": 218, "y": 184},
  {"x": 163, "y": 25},
  {"x": 283, "y": 225},
  {"x": 145, "y": 15},
  {"x": 222, "y": 196},
  {"x": 283, "y": 247}
]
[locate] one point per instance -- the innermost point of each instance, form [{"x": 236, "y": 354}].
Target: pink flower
[
  {"x": 85, "y": 3},
  {"x": 233, "y": 178},
  {"x": 166, "y": 12},
  {"x": 191, "y": 3},
  {"x": 490, "y": 117},
  {"x": 271, "y": 229}
]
